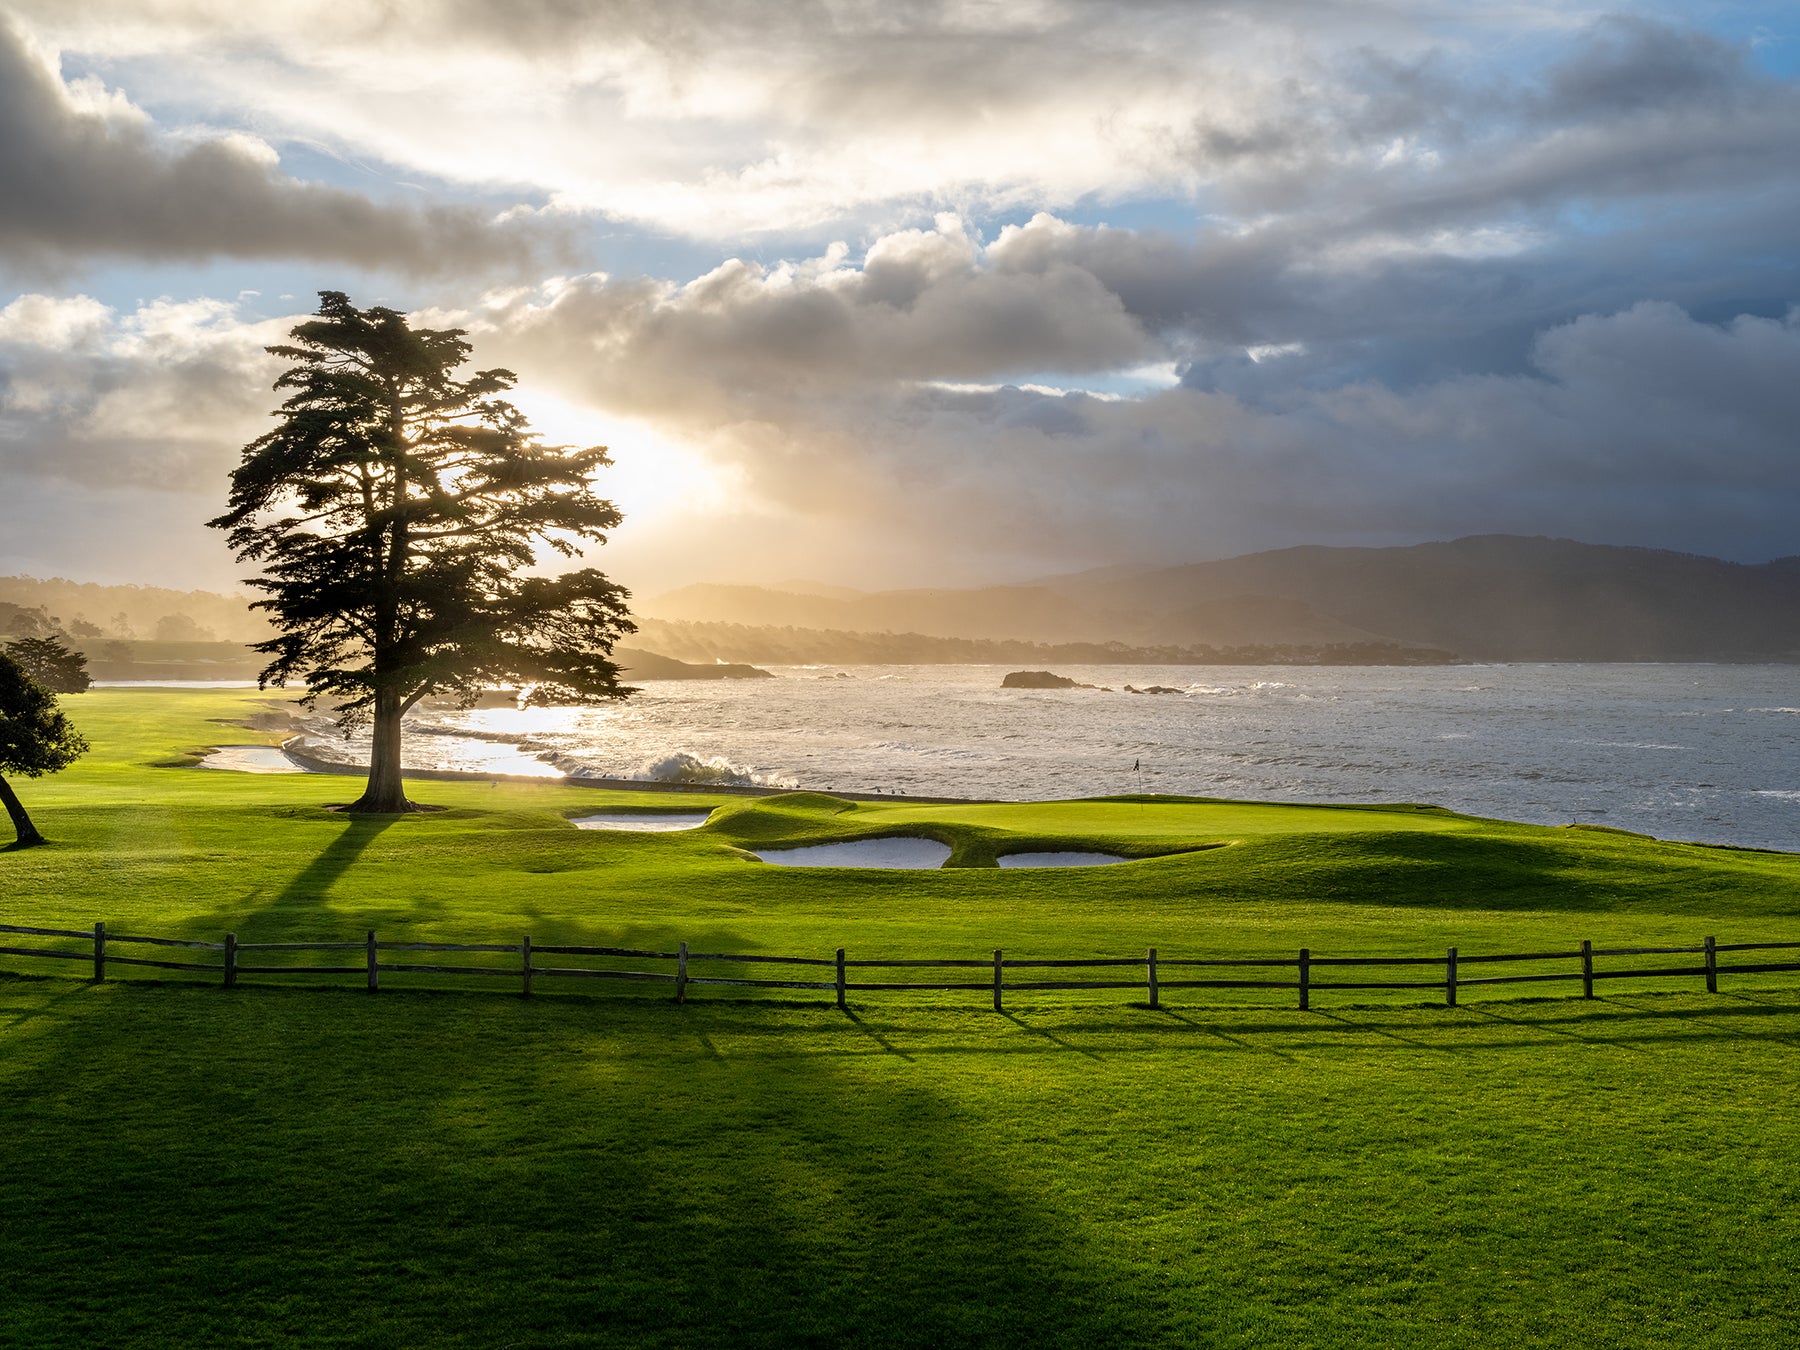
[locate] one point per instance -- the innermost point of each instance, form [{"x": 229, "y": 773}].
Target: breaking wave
[{"x": 681, "y": 767}]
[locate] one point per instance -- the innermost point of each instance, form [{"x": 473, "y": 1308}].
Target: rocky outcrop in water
[
  {"x": 1041, "y": 679},
  {"x": 636, "y": 664}
]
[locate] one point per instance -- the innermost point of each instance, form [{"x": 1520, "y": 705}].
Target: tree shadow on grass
[
  {"x": 315, "y": 879},
  {"x": 1501, "y": 873},
  {"x": 316, "y": 1167}
]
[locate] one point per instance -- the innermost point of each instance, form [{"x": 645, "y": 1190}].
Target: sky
[{"x": 905, "y": 294}]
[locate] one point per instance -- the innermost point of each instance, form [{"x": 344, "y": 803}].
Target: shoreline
[{"x": 313, "y": 764}]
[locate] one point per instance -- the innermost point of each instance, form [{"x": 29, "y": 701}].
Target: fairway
[{"x": 189, "y": 1165}]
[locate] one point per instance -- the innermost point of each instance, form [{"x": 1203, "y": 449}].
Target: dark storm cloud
[
  {"x": 80, "y": 183},
  {"x": 1640, "y": 425}
]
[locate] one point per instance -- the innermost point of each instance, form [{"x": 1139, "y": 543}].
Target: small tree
[
  {"x": 35, "y": 738},
  {"x": 29, "y": 623},
  {"x": 52, "y": 664},
  {"x": 395, "y": 510},
  {"x": 181, "y": 628}
]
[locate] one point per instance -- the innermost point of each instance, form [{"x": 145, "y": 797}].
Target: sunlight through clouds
[{"x": 969, "y": 288}]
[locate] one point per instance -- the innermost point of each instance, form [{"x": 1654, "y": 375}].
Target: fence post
[
  {"x": 1587, "y": 968},
  {"x": 681, "y": 974},
  {"x": 1305, "y": 979},
  {"x": 1150, "y": 963},
  {"x": 997, "y": 979},
  {"x": 525, "y": 952},
  {"x": 231, "y": 960},
  {"x": 840, "y": 977},
  {"x": 99, "y": 951},
  {"x": 1712, "y": 966},
  {"x": 374, "y": 969},
  {"x": 1450, "y": 978}
]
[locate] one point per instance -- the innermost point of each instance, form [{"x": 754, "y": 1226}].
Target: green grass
[
  {"x": 186, "y": 1165},
  {"x": 191, "y": 1166}
]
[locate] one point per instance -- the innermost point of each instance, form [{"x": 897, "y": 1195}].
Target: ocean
[{"x": 1689, "y": 752}]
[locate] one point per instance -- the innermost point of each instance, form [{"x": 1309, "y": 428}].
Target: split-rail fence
[{"x": 843, "y": 975}]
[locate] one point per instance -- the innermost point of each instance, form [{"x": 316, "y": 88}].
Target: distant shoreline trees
[
  {"x": 395, "y": 511},
  {"x": 698, "y": 640},
  {"x": 51, "y": 663}
]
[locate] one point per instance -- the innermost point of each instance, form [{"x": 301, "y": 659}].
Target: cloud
[
  {"x": 1398, "y": 121},
  {"x": 1643, "y": 425},
  {"x": 895, "y": 449},
  {"x": 160, "y": 398},
  {"x": 85, "y": 176},
  {"x": 1420, "y": 272},
  {"x": 853, "y": 393}
]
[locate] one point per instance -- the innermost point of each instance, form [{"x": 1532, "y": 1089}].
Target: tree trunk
[
  {"x": 386, "y": 790},
  {"x": 27, "y": 832}
]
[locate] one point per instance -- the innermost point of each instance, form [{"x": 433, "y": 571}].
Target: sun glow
[{"x": 652, "y": 478}]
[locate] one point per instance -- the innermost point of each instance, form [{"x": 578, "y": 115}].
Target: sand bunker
[
  {"x": 912, "y": 854},
  {"x": 1060, "y": 859},
  {"x": 643, "y": 822},
  {"x": 253, "y": 759}
]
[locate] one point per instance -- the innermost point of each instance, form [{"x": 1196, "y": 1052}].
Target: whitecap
[{"x": 682, "y": 767}]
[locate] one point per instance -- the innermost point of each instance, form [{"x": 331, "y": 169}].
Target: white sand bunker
[
  {"x": 642, "y": 822},
  {"x": 1066, "y": 859},
  {"x": 912, "y": 854},
  {"x": 252, "y": 759}
]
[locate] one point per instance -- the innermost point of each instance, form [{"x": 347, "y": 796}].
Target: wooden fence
[{"x": 843, "y": 975}]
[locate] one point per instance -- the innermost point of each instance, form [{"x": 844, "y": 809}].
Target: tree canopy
[
  {"x": 35, "y": 738},
  {"x": 395, "y": 511},
  {"x": 52, "y": 664}
]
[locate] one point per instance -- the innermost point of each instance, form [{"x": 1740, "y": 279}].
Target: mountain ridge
[{"x": 1486, "y": 597}]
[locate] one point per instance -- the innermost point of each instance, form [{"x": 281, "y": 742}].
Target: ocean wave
[
  {"x": 473, "y": 734},
  {"x": 941, "y": 751},
  {"x": 1795, "y": 711},
  {"x": 682, "y": 767}
]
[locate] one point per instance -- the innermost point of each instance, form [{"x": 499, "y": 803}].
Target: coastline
[{"x": 314, "y": 764}]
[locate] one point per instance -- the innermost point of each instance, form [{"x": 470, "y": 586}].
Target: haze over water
[{"x": 1706, "y": 753}]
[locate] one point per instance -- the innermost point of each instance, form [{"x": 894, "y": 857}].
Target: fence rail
[{"x": 99, "y": 943}]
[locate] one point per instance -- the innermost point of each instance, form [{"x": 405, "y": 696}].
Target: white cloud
[
  {"x": 715, "y": 120},
  {"x": 53, "y": 323},
  {"x": 162, "y": 397},
  {"x": 83, "y": 176}
]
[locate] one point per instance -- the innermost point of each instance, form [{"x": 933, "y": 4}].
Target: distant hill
[
  {"x": 1488, "y": 598},
  {"x": 704, "y": 642},
  {"x": 1503, "y": 598},
  {"x": 138, "y": 611},
  {"x": 1484, "y": 598},
  {"x": 1030, "y": 613}
]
